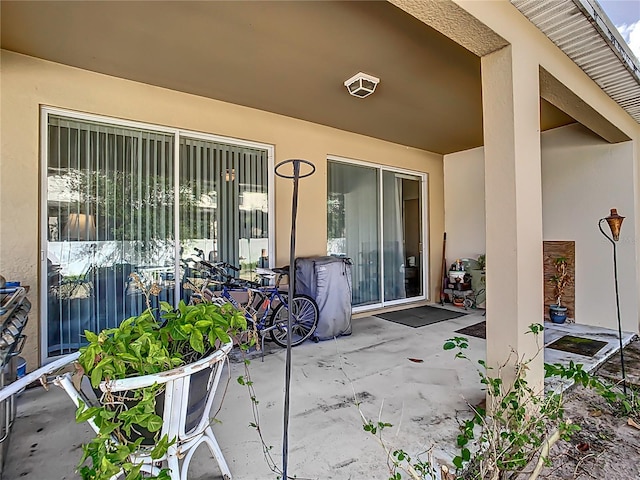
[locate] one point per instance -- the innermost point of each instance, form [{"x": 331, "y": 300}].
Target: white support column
[{"x": 513, "y": 201}]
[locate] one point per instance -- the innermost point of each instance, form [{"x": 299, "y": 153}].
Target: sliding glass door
[
  {"x": 128, "y": 199},
  {"x": 110, "y": 208},
  {"x": 375, "y": 217},
  {"x": 354, "y": 228},
  {"x": 224, "y": 205}
]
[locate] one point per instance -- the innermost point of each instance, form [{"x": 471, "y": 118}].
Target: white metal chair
[{"x": 189, "y": 426}]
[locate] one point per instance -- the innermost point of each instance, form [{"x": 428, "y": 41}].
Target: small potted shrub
[{"x": 560, "y": 280}]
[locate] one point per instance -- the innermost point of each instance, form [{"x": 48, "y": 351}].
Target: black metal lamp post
[{"x": 615, "y": 222}]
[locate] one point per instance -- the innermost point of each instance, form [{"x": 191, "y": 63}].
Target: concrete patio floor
[{"x": 326, "y": 439}]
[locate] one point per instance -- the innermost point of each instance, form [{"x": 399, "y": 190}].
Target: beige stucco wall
[
  {"x": 582, "y": 177},
  {"x": 27, "y": 83},
  {"x": 464, "y": 213},
  {"x": 504, "y": 19},
  {"x": 504, "y": 23}
]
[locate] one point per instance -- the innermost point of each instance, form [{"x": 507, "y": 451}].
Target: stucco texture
[{"x": 582, "y": 177}]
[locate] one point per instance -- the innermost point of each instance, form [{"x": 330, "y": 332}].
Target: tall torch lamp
[{"x": 615, "y": 222}]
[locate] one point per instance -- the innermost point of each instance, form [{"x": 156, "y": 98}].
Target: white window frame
[
  {"x": 46, "y": 111},
  {"x": 424, "y": 178}
]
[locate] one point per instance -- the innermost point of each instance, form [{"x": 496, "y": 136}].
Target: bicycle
[
  {"x": 472, "y": 299},
  {"x": 267, "y": 308}
]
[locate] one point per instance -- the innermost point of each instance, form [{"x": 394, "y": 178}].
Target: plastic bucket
[{"x": 21, "y": 370}]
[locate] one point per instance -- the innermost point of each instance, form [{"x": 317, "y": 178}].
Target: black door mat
[
  {"x": 578, "y": 345},
  {"x": 478, "y": 330},
  {"x": 420, "y": 316}
]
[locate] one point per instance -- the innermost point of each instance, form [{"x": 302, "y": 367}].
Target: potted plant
[
  {"x": 482, "y": 262},
  {"x": 560, "y": 280},
  {"x": 141, "y": 346}
]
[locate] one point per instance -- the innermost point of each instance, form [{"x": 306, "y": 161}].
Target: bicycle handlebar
[
  {"x": 239, "y": 282},
  {"x": 219, "y": 265},
  {"x": 207, "y": 264}
]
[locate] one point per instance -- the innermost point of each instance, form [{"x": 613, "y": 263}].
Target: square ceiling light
[{"x": 361, "y": 85}]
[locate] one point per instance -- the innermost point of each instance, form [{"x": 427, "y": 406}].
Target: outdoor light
[
  {"x": 361, "y": 85},
  {"x": 615, "y": 222}
]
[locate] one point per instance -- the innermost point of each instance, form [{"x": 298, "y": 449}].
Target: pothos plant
[{"x": 149, "y": 343}]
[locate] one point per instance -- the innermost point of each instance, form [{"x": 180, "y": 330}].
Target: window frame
[
  {"x": 46, "y": 111},
  {"x": 425, "y": 230}
]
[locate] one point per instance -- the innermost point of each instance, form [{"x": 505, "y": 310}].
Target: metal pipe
[
  {"x": 292, "y": 280},
  {"x": 21, "y": 383}
]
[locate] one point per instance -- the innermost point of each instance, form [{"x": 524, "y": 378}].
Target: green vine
[
  {"x": 140, "y": 346},
  {"x": 516, "y": 426}
]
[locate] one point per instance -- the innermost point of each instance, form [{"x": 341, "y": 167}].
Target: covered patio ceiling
[{"x": 289, "y": 58}]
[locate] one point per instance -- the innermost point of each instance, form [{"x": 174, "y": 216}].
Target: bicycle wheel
[{"x": 304, "y": 321}]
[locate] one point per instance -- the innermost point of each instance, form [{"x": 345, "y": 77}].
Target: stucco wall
[
  {"x": 28, "y": 83},
  {"x": 582, "y": 178},
  {"x": 464, "y": 210}
]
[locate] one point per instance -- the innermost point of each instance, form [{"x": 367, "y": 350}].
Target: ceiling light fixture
[{"x": 361, "y": 85}]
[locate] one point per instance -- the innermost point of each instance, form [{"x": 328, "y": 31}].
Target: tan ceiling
[{"x": 289, "y": 58}]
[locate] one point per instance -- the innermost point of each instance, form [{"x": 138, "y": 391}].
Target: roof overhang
[{"x": 582, "y": 30}]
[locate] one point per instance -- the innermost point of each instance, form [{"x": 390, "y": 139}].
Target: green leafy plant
[
  {"x": 398, "y": 460},
  {"x": 140, "y": 346},
  {"x": 482, "y": 261},
  {"x": 627, "y": 405},
  {"x": 517, "y": 425}
]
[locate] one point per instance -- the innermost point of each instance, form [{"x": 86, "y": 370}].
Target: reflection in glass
[
  {"x": 401, "y": 236},
  {"x": 354, "y": 210},
  {"x": 353, "y": 228},
  {"x": 110, "y": 207},
  {"x": 223, "y": 206}
]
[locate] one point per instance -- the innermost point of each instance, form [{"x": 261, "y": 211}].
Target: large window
[
  {"x": 127, "y": 198},
  {"x": 375, "y": 217}
]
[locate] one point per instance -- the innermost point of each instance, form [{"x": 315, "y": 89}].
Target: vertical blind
[
  {"x": 224, "y": 200},
  {"x": 110, "y": 213},
  {"x": 111, "y": 194}
]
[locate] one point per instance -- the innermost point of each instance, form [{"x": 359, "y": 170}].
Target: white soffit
[{"x": 582, "y": 30}]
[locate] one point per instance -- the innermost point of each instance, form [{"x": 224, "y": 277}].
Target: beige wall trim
[
  {"x": 556, "y": 93},
  {"x": 507, "y": 21},
  {"x": 581, "y": 29},
  {"x": 454, "y": 22}
]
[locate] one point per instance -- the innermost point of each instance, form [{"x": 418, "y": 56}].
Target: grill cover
[{"x": 328, "y": 281}]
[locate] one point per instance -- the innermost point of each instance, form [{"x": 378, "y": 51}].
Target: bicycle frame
[
  {"x": 267, "y": 296},
  {"x": 265, "y": 304}
]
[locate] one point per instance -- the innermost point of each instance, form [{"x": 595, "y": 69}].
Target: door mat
[
  {"x": 578, "y": 345},
  {"x": 478, "y": 330},
  {"x": 420, "y": 316}
]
